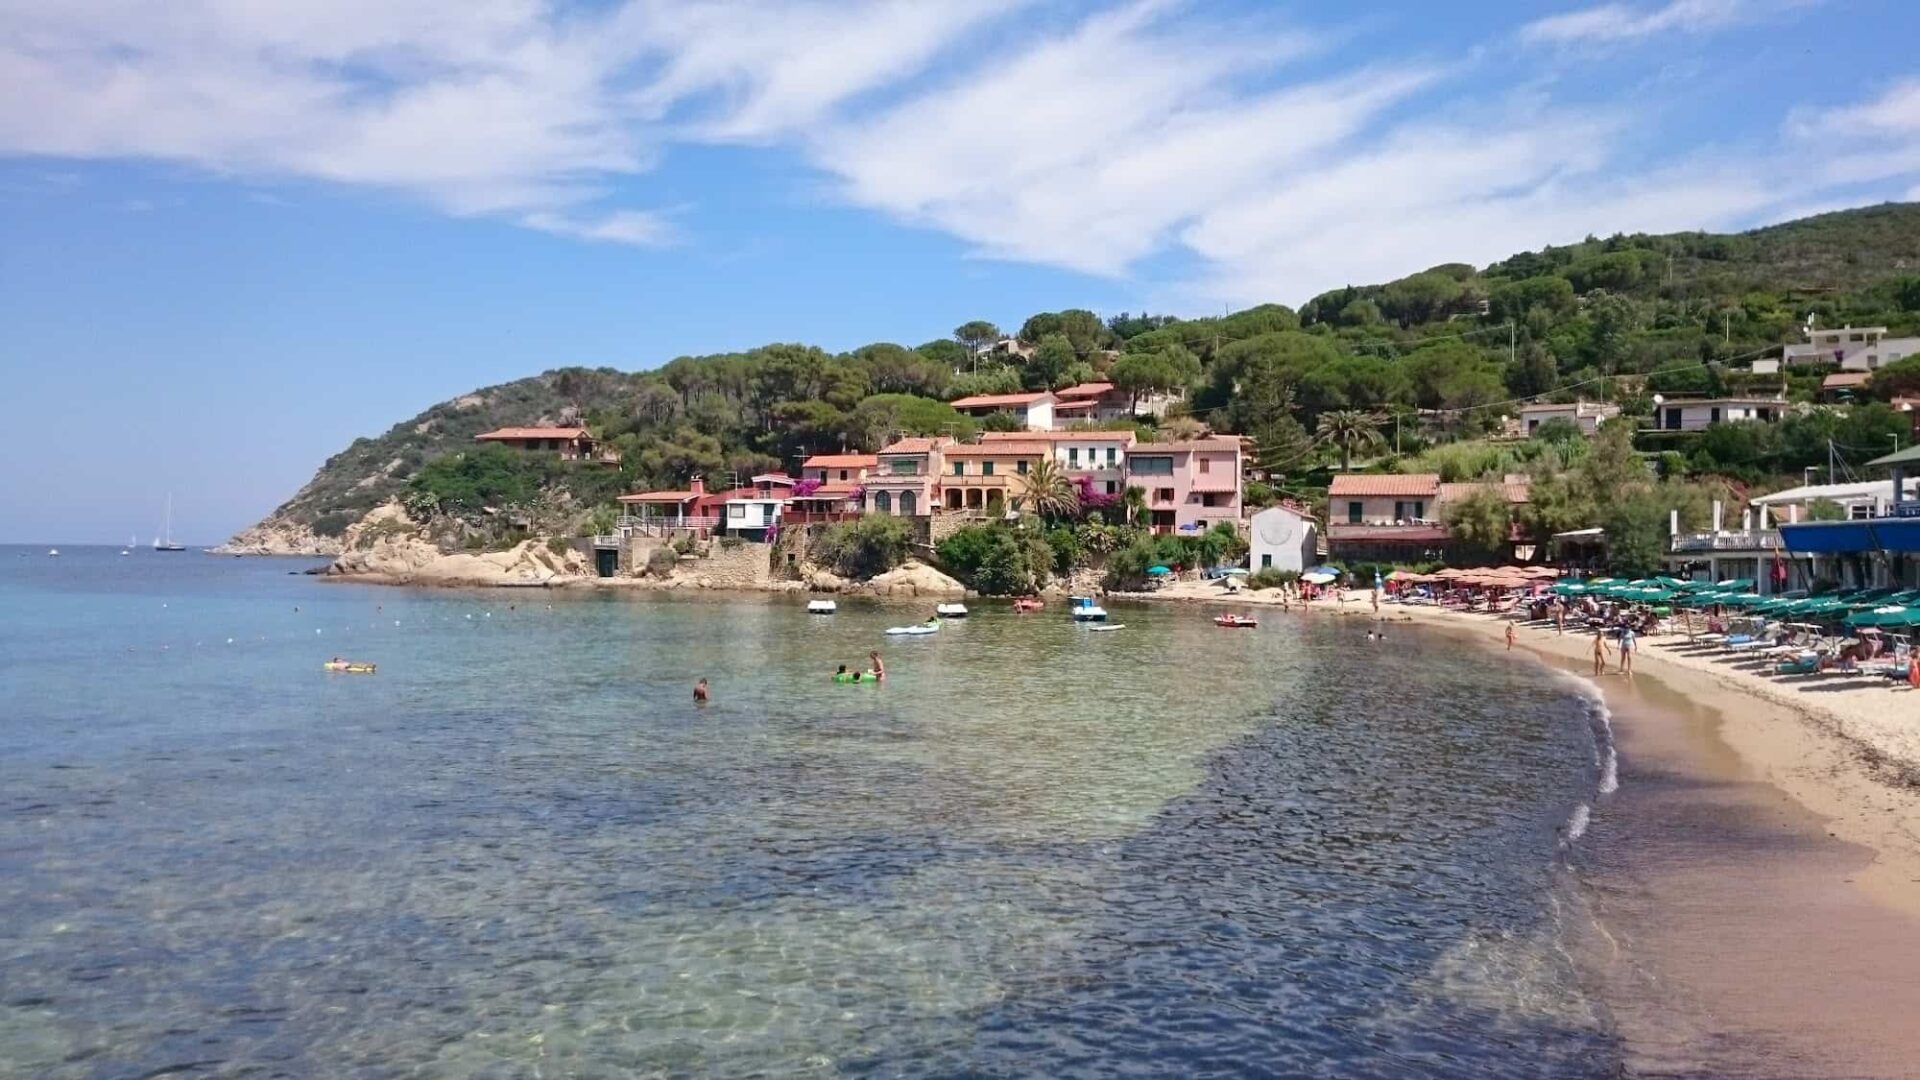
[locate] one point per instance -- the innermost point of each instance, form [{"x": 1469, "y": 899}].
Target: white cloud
[
  {"x": 1894, "y": 113},
  {"x": 495, "y": 107},
  {"x": 1621, "y": 22}
]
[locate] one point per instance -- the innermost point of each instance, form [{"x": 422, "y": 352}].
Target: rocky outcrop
[
  {"x": 915, "y": 579},
  {"x": 388, "y": 546},
  {"x": 272, "y": 537}
]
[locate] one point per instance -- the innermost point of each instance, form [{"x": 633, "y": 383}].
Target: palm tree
[
  {"x": 1349, "y": 428},
  {"x": 1047, "y": 491},
  {"x": 1133, "y": 504}
]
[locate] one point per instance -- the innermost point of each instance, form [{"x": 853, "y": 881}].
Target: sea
[{"x": 520, "y": 849}]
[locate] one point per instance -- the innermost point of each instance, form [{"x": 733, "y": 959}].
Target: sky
[{"x": 235, "y": 236}]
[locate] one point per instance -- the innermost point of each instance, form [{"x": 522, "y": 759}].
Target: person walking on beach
[
  {"x": 700, "y": 692},
  {"x": 1510, "y": 636},
  {"x": 1599, "y": 652},
  {"x": 1626, "y": 650},
  {"x": 1559, "y": 616}
]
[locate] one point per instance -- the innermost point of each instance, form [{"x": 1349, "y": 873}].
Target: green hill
[{"x": 1619, "y": 317}]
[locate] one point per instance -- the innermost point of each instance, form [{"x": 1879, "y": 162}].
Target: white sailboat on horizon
[{"x": 164, "y": 542}]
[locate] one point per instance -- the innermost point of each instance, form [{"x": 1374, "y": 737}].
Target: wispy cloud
[
  {"x": 1895, "y": 113},
  {"x": 1623, "y": 22}
]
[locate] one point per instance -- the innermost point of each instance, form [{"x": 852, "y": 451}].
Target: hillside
[{"x": 1673, "y": 312}]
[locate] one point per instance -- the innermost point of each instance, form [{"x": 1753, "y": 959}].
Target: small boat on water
[
  {"x": 931, "y": 626},
  {"x": 127, "y": 552},
  {"x": 1236, "y": 621},
  {"x": 822, "y": 607},
  {"x": 352, "y": 667},
  {"x": 1083, "y": 609},
  {"x": 950, "y": 611},
  {"x": 1106, "y": 628},
  {"x": 1028, "y": 603},
  {"x": 53, "y": 553},
  {"x": 165, "y": 541}
]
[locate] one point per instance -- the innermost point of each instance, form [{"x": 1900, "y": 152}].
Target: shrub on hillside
[
  {"x": 861, "y": 549},
  {"x": 661, "y": 561}
]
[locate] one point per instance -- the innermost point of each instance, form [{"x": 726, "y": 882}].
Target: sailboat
[
  {"x": 164, "y": 542},
  {"x": 128, "y": 550}
]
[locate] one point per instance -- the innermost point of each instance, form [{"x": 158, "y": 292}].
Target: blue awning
[{"x": 1851, "y": 537}]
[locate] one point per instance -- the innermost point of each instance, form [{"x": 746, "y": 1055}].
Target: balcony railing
[{"x": 1727, "y": 540}]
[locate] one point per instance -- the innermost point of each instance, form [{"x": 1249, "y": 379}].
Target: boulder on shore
[
  {"x": 386, "y": 544},
  {"x": 915, "y": 579}
]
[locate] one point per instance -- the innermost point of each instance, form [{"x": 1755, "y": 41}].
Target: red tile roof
[
  {"x": 1215, "y": 443},
  {"x": 660, "y": 497},
  {"x": 1515, "y": 492},
  {"x": 1085, "y": 389},
  {"x": 1056, "y": 436},
  {"x": 840, "y": 461},
  {"x": 533, "y": 433},
  {"x": 1361, "y": 485},
  {"x": 829, "y": 491},
  {"x": 913, "y": 444},
  {"x": 1848, "y": 379},
  {"x": 982, "y": 401},
  {"x": 997, "y": 449}
]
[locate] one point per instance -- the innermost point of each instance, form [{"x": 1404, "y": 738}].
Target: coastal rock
[
  {"x": 825, "y": 581},
  {"x": 387, "y": 545},
  {"x": 272, "y": 537},
  {"x": 915, "y": 579}
]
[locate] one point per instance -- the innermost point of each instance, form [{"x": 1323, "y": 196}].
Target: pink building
[
  {"x": 905, "y": 483},
  {"x": 1189, "y": 486}
]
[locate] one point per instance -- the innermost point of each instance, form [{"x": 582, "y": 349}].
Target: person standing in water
[
  {"x": 879, "y": 669},
  {"x": 700, "y": 692},
  {"x": 1599, "y": 652},
  {"x": 1627, "y": 644}
]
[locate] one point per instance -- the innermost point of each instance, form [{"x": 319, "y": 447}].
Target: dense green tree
[
  {"x": 894, "y": 369},
  {"x": 883, "y": 417},
  {"x": 977, "y": 335},
  {"x": 1350, "y": 430},
  {"x": 1172, "y": 367},
  {"x": 1482, "y": 520},
  {"x": 1003, "y": 379},
  {"x": 951, "y": 354},
  {"x": 1047, "y": 367}
]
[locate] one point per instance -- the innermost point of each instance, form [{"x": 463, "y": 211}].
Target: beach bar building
[{"x": 1877, "y": 551}]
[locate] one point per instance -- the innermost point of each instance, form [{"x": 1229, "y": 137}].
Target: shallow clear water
[{"x": 520, "y": 850}]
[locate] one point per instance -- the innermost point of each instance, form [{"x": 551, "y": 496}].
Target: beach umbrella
[{"x": 1156, "y": 571}]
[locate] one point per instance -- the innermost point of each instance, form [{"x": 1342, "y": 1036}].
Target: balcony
[{"x": 1412, "y": 532}]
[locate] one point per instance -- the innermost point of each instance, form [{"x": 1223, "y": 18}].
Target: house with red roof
[
  {"x": 1104, "y": 401},
  {"x": 1400, "y": 517},
  {"x": 571, "y": 443},
  {"x": 658, "y": 513},
  {"x": 906, "y": 480},
  {"x": 831, "y": 487},
  {"x": 1034, "y": 410}
]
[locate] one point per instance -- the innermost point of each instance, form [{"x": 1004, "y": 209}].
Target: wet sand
[{"x": 1752, "y": 890}]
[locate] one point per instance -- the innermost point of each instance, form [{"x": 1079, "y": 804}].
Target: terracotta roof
[
  {"x": 1842, "y": 379},
  {"x": 772, "y": 478},
  {"x": 997, "y": 449},
  {"x": 1075, "y": 406},
  {"x": 1085, "y": 389},
  {"x": 1361, "y": 485},
  {"x": 840, "y": 461},
  {"x": 1516, "y": 492},
  {"x": 1216, "y": 443},
  {"x": 913, "y": 444},
  {"x": 829, "y": 491},
  {"x": 982, "y": 401},
  {"x": 660, "y": 497},
  {"x": 533, "y": 433},
  {"x": 1056, "y": 436}
]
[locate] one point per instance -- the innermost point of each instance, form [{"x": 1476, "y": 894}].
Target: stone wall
[{"x": 745, "y": 566}]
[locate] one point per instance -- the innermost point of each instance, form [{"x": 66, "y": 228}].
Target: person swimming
[
  {"x": 700, "y": 692},
  {"x": 879, "y": 670}
]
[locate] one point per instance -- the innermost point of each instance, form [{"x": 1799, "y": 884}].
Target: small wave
[
  {"x": 1577, "y": 824},
  {"x": 1605, "y": 756}
]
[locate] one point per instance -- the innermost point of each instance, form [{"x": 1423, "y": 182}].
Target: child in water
[{"x": 700, "y": 692}]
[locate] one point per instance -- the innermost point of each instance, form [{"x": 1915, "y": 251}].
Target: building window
[
  {"x": 1020, "y": 466},
  {"x": 1162, "y": 494},
  {"x": 1266, "y": 561},
  {"x": 1113, "y": 487},
  {"x": 903, "y": 467},
  {"x": 1073, "y": 457},
  {"x": 1151, "y": 466},
  {"x": 1206, "y": 465},
  {"x": 1353, "y": 513},
  {"x": 736, "y": 513},
  {"x": 843, "y": 474},
  {"x": 1112, "y": 456},
  {"x": 959, "y": 468},
  {"x": 986, "y": 468},
  {"x": 883, "y": 501}
]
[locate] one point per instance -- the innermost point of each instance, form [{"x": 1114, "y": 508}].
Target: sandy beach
[{"x": 1755, "y": 883}]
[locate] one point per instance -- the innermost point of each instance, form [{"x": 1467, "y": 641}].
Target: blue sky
[{"x": 234, "y": 236}]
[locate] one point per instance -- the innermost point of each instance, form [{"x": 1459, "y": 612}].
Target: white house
[
  {"x": 1854, "y": 348},
  {"x": 1694, "y": 414},
  {"x": 1859, "y": 500},
  {"x": 752, "y": 517},
  {"x": 1585, "y": 415},
  {"x": 1283, "y": 538},
  {"x": 1033, "y": 410}
]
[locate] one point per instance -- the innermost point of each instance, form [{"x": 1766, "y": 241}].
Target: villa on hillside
[
  {"x": 1585, "y": 415},
  {"x": 1695, "y": 414},
  {"x": 1189, "y": 486},
  {"x": 1398, "y": 517},
  {"x": 571, "y": 443},
  {"x": 1033, "y": 410},
  {"x": 985, "y": 478},
  {"x": 1852, "y": 348},
  {"x": 1098, "y": 401},
  {"x": 660, "y": 513},
  {"x": 1098, "y": 456},
  {"x": 905, "y": 482},
  {"x": 831, "y": 487}
]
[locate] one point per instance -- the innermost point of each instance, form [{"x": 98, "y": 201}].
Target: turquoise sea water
[{"x": 520, "y": 850}]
